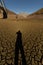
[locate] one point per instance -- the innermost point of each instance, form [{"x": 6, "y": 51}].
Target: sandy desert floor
[{"x": 32, "y": 39}]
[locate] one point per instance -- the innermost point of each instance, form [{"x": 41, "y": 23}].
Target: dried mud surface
[{"x": 32, "y": 38}]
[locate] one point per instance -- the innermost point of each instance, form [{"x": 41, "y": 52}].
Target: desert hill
[
  {"x": 23, "y": 15},
  {"x": 40, "y": 11},
  {"x": 37, "y": 14},
  {"x": 11, "y": 15},
  {"x": 10, "y": 12}
]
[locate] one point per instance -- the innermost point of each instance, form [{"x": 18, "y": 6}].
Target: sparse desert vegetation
[{"x": 32, "y": 39}]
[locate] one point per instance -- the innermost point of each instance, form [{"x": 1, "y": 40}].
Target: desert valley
[{"x": 31, "y": 27}]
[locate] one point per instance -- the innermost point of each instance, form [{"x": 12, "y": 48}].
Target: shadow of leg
[
  {"x": 16, "y": 55},
  {"x": 23, "y": 55}
]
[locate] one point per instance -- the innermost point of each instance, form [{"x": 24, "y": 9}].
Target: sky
[{"x": 27, "y": 6}]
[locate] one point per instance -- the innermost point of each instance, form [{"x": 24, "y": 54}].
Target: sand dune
[{"x": 37, "y": 14}]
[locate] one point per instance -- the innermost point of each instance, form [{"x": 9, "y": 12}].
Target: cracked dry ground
[{"x": 32, "y": 35}]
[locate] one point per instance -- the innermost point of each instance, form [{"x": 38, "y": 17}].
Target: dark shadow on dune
[
  {"x": 4, "y": 15},
  {"x": 19, "y": 46},
  {"x": 4, "y": 12}
]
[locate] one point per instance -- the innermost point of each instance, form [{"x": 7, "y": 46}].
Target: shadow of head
[{"x": 19, "y": 34}]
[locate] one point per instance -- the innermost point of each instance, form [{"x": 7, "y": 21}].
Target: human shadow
[{"x": 19, "y": 46}]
